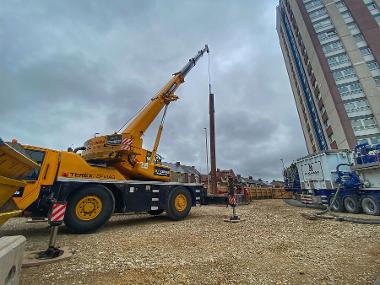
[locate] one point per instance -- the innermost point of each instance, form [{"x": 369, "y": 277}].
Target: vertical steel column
[{"x": 213, "y": 184}]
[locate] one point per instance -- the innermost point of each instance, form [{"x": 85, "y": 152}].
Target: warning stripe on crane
[
  {"x": 126, "y": 143},
  {"x": 57, "y": 212}
]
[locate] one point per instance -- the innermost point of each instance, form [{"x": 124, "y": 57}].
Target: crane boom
[
  {"x": 143, "y": 120},
  {"x": 124, "y": 150}
]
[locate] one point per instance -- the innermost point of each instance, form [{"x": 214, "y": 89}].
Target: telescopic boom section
[
  {"x": 137, "y": 127},
  {"x": 125, "y": 151}
]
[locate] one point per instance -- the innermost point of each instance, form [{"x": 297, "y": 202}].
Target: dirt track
[{"x": 274, "y": 245}]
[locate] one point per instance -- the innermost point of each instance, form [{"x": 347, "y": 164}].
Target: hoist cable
[{"x": 133, "y": 116}]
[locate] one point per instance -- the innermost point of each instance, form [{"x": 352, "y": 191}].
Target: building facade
[
  {"x": 183, "y": 173},
  {"x": 332, "y": 53}
]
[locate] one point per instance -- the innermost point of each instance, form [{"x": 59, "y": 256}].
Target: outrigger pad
[
  {"x": 51, "y": 252},
  {"x": 233, "y": 219},
  {"x": 32, "y": 258}
]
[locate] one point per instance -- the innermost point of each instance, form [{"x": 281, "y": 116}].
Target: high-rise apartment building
[{"x": 332, "y": 55}]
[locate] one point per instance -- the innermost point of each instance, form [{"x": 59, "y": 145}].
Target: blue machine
[{"x": 314, "y": 179}]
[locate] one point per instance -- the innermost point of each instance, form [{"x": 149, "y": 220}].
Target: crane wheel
[
  {"x": 338, "y": 204},
  {"x": 371, "y": 206},
  {"x": 89, "y": 208},
  {"x": 178, "y": 204},
  {"x": 352, "y": 204}
]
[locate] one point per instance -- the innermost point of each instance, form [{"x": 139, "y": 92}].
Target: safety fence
[{"x": 257, "y": 193}]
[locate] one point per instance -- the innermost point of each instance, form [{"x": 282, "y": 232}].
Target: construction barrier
[
  {"x": 247, "y": 194},
  {"x": 257, "y": 193},
  {"x": 11, "y": 254}
]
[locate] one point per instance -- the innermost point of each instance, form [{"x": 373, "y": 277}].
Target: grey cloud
[{"x": 70, "y": 69}]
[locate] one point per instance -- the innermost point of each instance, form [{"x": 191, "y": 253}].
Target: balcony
[
  {"x": 354, "y": 31},
  {"x": 375, "y": 72},
  {"x": 366, "y": 132},
  {"x": 323, "y": 28},
  {"x": 314, "y": 8},
  {"x": 375, "y": 12},
  {"x": 345, "y": 80},
  {"x": 359, "y": 113},
  {"x": 334, "y": 52},
  {"x": 320, "y": 17},
  {"x": 361, "y": 44},
  {"x": 368, "y": 57},
  {"x": 329, "y": 39},
  {"x": 352, "y": 96},
  {"x": 340, "y": 65}
]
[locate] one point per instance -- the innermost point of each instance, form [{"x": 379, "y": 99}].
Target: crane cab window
[{"x": 38, "y": 157}]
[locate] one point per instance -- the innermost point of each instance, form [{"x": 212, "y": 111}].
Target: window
[
  {"x": 337, "y": 59},
  {"x": 361, "y": 141},
  {"x": 372, "y": 7},
  {"x": 369, "y": 123},
  {"x": 347, "y": 16},
  {"x": 350, "y": 88},
  {"x": 356, "y": 125},
  {"x": 331, "y": 138},
  {"x": 370, "y": 140},
  {"x": 363, "y": 123},
  {"x": 322, "y": 24},
  {"x": 352, "y": 27},
  {"x": 312, "y": 4},
  {"x": 344, "y": 73},
  {"x": 377, "y": 19},
  {"x": 332, "y": 46},
  {"x": 375, "y": 140},
  {"x": 356, "y": 106},
  {"x": 373, "y": 65},
  {"x": 340, "y": 4},
  {"x": 377, "y": 81},
  {"x": 326, "y": 35},
  {"x": 365, "y": 51},
  {"x": 318, "y": 13},
  {"x": 358, "y": 38},
  {"x": 38, "y": 157}
]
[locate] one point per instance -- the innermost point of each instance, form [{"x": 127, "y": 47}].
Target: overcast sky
[{"x": 69, "y": 69}]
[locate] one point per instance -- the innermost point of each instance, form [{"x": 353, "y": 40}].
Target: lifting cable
[{"x": 123, "y": 126}]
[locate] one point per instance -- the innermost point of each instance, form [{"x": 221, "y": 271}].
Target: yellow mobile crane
[{"x": 112, "y": 174}]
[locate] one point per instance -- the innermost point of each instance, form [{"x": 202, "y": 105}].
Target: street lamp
[{"x": 283, "y": 165}]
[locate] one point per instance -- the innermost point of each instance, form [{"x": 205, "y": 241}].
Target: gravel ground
[{"x": 274, "y": 245}]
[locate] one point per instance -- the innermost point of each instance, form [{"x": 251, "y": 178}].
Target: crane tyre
[
  {"x": 155, "y": 212},
  {"x": 352, "y": 204},
  {"x": 89, "y": 208},
  {"x": 371, "y": 206},
  {"x": 179, "y": 203},
  {"x": 338, "y": 204}
]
